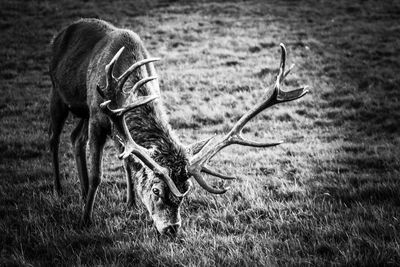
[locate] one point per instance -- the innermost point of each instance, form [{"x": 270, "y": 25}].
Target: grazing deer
[{"x": 105, "y": 77}]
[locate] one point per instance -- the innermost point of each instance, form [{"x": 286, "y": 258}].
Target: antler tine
[
  {"x": 291, "y": 95},
  {"x": 244, "y": 142},
  {"x": 140, "y": 83},
  {"x": 121, "y": 111},
  {"x": 288, "y": 71},
  {"x": 197, "y": 146},
  {"x": 200, "y": 180},
  {"x": 273, "y": 96},
  {"x": 282, "y": 64},
  {"x": 217, "y": 174},
  {"x": 122, "y": 79},
  {"x": 110, "y": 66}
]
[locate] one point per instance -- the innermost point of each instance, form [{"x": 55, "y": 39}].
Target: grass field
[{"x": 329, "y": 196}]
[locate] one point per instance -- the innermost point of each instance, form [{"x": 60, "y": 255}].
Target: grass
[{"x": 328, "y": 196}]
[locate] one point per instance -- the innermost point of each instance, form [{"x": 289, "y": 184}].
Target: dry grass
[{"x": 330, "y": 195}]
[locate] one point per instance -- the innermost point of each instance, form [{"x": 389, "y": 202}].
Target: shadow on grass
[
  {"x": 360, "y": 105},
  {"x": 365, "y": 94}
]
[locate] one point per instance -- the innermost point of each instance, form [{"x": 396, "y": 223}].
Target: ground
[{"x": 328, "y": 196}]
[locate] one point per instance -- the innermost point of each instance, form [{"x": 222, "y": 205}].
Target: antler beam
[{"x": 273, "y": 96}]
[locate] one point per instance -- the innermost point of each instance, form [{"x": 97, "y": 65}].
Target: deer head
[{"x": 160, "y": 194}]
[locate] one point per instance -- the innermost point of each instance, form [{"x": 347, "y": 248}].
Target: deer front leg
[
  {"x": 130, "y": 195},
  {"x": 78, "y": 139},
  {"x": 58, "y": 115},
  {"x": 96, "y": 143}
]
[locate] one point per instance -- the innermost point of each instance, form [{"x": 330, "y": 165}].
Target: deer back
[{"x": 80, "y": 53}]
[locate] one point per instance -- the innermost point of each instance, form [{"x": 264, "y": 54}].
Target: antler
[
  {"x": 117, "y": 116},
  {"x": 210, "y": 149}
]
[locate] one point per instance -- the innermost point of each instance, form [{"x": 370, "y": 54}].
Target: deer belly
[{"x": 75, "y": 100}]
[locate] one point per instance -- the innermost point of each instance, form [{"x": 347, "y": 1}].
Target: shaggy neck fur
[
  {"x": 148, "y": 124},
  {"x": 149, "y": 131}
]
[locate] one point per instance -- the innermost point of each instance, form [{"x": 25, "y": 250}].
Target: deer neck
[{"x": 149, "y": 128}]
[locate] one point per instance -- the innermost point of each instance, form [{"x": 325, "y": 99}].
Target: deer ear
[{"x": 196, "y": 147}]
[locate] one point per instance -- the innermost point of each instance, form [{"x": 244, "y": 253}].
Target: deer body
[
  {"x": 105, "y": 77},
  {"x": 80, "y": 54}
]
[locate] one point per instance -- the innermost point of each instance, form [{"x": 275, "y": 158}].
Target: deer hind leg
[
  {"x": 58, "y": 115},
  {"x": 79, "y": 139},
  {"x": 96, "y": 141}
]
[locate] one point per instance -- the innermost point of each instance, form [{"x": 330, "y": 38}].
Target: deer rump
[{"x": 105, "y": 76}]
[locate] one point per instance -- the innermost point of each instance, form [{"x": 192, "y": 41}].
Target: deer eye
[{"x": 156, "y": 191}]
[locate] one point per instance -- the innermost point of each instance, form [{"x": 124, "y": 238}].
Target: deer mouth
[{"x": 170, "y": 230}]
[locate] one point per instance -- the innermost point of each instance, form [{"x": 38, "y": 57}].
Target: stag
[{"x": 105, "y": 77}]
